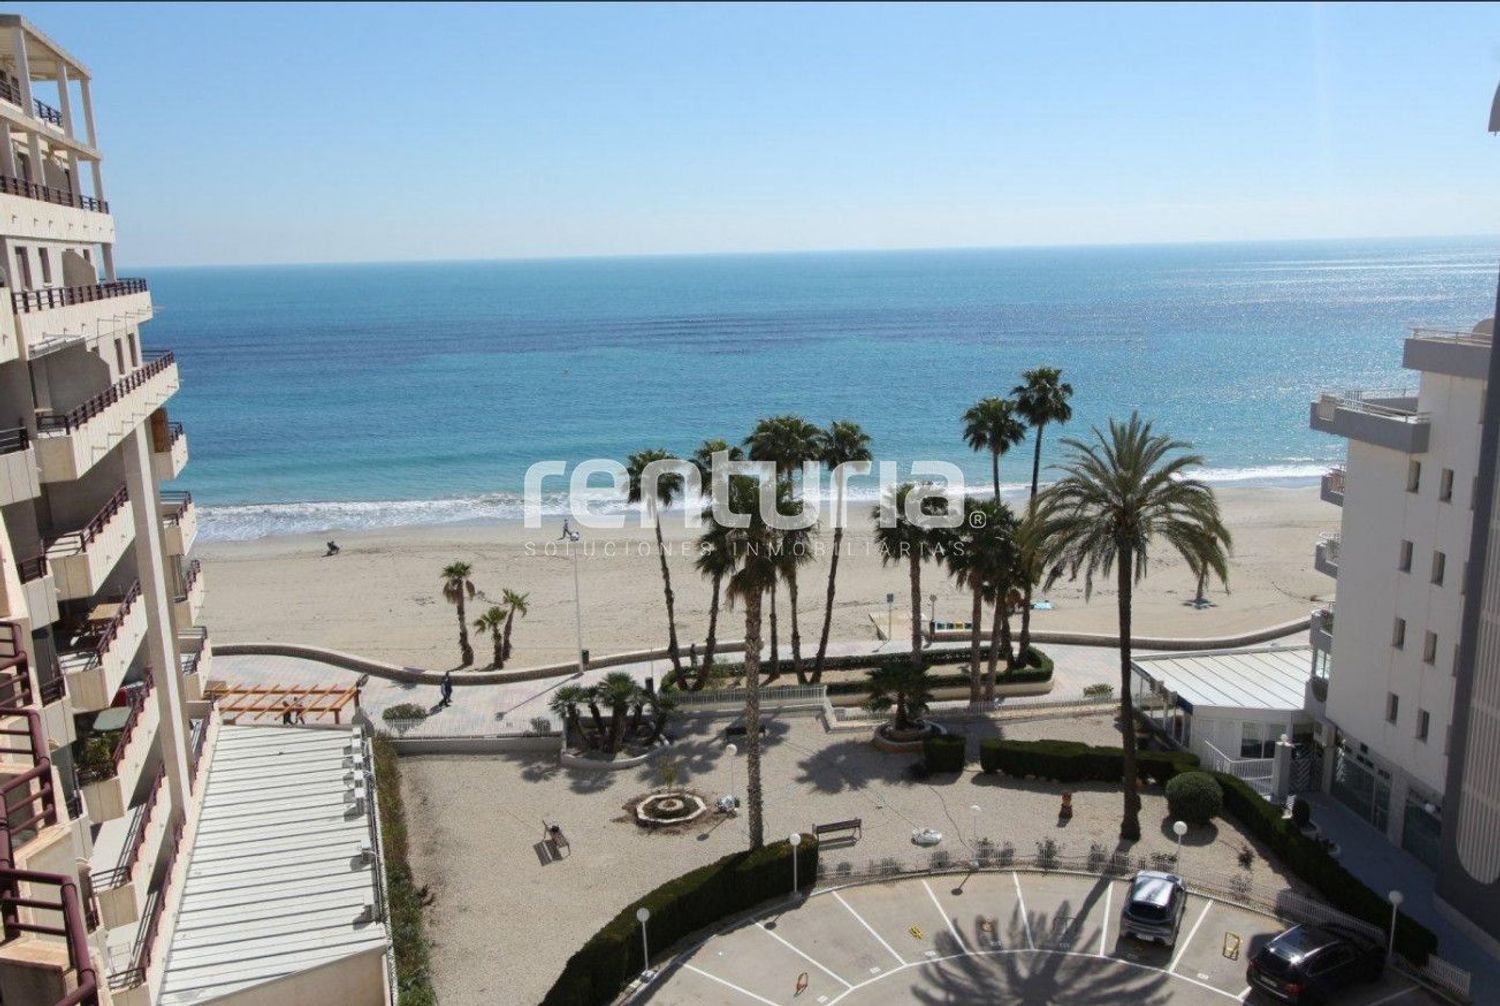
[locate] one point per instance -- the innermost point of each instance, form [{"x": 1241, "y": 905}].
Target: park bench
[
  {"x": 850, "y": 829},
  {"x": 558, "y": 842}
]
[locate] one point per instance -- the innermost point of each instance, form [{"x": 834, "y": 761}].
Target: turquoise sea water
[{"x": 377, "y": 395}]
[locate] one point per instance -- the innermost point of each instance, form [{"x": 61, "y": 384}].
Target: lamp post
[
  {"x": 643, "y": 914},
  {"x": 1179, "y": 828},
  {"x": 796, "y": 840},
  {"x": 731, "y": 751},
  {"x": 573, "y": 537},
  {"x": 932, "y": 618},
  {"x": 1395, "y": 898},
  {"x": 890, "y": 615},
  {"x": 974, "y": 810}
]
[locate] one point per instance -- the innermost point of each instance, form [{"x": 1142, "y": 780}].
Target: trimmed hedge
[
  {"x": 944, "y": 753},
  {"x": 595, "y": 974},
  {"x": 1194, "y": 797},
  {"x": 404, "y": 899},
  {"x": 1072, "y": 761},
  {"x": 1038, "y": 668}
]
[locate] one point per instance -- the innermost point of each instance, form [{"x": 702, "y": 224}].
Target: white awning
[{"x": 1272, "y": 679}]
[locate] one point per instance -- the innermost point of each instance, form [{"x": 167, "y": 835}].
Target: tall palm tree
[
  {"x": 991, "y": 424},
  {"x": 788, "y": 442},
  {"x": 843, "y": 441},
  {"x": 904, "y": 540},
  {"x": 1042, "y": 398},
  {"x": 794, "y": 549},
  {"x": 703, "y": 459},
  {"x": 754, "y": 575},
  {"x": 494, "y": 621},
  {"x": 982, "y": 556},
  {"x": 619, "y": 692},
  {"x": 515, "y": 604},
  {"x": 565, "y": 703},
  {"x": 458, "y": 588},
  {"x": 902, "y": 687},
  {"x": 668, "y": 490},
  {"x": 1120, "y": 494},
  {"x": 715, "y": 560}
]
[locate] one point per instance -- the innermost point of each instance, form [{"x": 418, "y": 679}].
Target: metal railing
[
  {"x": 189, "y": 579},
  {"x": 144, "y": 949},
  {"x": 138, "y": 699},
  {"x": 1458, "y": 335},
  {"x": 27, "y": 301},
  {"x": 15, "y": 688},
  {"x": 12, "y": 93},
  {"x": 736, "y": 696},
  {"x": 73, "y": 930},
  {"x": 198, "y": 735},
  {"x": 197, "y": 635},
  {"x": 1329, "y": 542},
  {"x": 14, "y": 440},
  {"x": 1248, "y": 769},
  {"x": 98, "y": 637},
  {"x": 36, "y": 806},
  {"x": 135, "y": 841},
  {"x": 32, "y": 569},
  {"x": 161, "y": 445},
  {"x": 1375, "y": 403},
  {"x": 175, "y": 503},
  {"x": 1336, "y": 476},
  {"x": 48, "y": 194},
  {"x": 76, "y": 417},
  {"x": 79, "y": 541}
]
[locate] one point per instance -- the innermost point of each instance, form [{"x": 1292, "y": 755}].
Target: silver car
[{"x": 1153, "y": 912}]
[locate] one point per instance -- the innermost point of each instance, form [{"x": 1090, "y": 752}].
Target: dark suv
[
  {"x": 1155, "y": 906},
  {"x": 1309, "y": 964}
]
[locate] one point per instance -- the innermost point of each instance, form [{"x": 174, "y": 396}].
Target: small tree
[
  {"x": 458, "y": 588},
  {"x": 1194, "y": 797},
  {"x": 494, "y": 622},
  {"x": 903, "y": 687}
]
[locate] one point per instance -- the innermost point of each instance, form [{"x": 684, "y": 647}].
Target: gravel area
[{"x": 504, "y": 920}]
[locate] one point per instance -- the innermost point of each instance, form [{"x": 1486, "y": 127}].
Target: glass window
[
  {"x": 1414, "y": 477},
  {"x": 1392, "y": 707},
  {"x": 1445, "y": 487},
  {"x": 1429, "y": 648},
  {"x": 1404, "y": 562},
  {"x": 1439, "y": 567},
  {"x": 1424, "y": 721},
  {"x": 1398, "y": 634}
]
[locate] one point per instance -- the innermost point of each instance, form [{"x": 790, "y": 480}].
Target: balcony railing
[
  {"x": 1452, "y": 335},
  {"x": 97, "y": 637},
  {"x": 32, "y": 569},
  {"x": 1376, "y": 403},
  {"x": 98, "y": 773},
  {"x": 76, "y": 417},
  {"x": 135, "y": 841},
  {"x": 73, "y": 931},
  {"x": 144, "y": 949},
  {"x": 1330, "y": 542},
  {"x": 74, "y": 542},
  {"x": 197, "y": 637},
  {"x": 14, "y": 440},
  {"x": 27, "y": 301},
  {"x": 40, "y": 108},
  {"x": 47, "y": 194},
  {"x": 161, "y": 445},
  {"x": 15, "y": 686},
  {"x": 189, "y": 578},
  {"x": 174, "y": 503},
  {"x": 1336, "y": 476},
  {"x": 29, "y": 799}
]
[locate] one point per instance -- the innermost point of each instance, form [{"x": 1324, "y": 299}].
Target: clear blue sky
[{"x": 238, "y": 134}]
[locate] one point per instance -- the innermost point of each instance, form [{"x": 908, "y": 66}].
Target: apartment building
[{"x": 1385, "y": 655}]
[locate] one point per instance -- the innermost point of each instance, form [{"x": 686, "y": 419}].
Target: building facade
[
  {"x": 1385, "y": 656},
  {"x": 101, "y": 650}
]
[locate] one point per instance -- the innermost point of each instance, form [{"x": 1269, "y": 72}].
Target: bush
[
  {"x": 404, "y": 711},
  {"x": 1071, "y": 761},
  {"x": 1194, "y": 797},
  {"x": 944, "y": 753},
  {"x": 1098, "y": 690},
  {"x": 1038, "y": 668},
  {"x": 1301, "y": 813},
  {"x": 595, "y": 974},
  {"x": 408, "y": 940}
]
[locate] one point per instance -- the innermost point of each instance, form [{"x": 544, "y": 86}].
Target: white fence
[
  {"x": 733, "y": 699},
  {"x": 1258, "y": 772}
]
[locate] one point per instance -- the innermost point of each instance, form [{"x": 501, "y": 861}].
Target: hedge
[
  {"x": 944, "y": 753},
  {"x": 595, "y": 974},
  {"x": 1039, "y": 668},
  {"x": 1195, "y": 797},
  {"x": 408, "y": 940},
  {"x": 1070, "y": 761}
]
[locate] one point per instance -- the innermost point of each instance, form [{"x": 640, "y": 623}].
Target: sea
[{"x": 366, "y": 396}]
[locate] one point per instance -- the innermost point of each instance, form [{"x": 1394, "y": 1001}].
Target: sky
[{"x": 243, "y": 134}]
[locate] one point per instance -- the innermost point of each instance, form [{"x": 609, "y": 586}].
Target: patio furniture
[
  {"x": 556, "y": 840},
  {"x": 851, "y": 829}
]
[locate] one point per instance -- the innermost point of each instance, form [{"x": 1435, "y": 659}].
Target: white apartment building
[{"x": 1385, "y": 654}]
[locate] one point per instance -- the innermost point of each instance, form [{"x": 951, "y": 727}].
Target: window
[
  {"x": 1414, "y": 477},
  {"x": 1392, "y": 706},
  {"x": 1445, "y": 487},
  {"x": 119, "y": 357},
  {"x": 1398, "y": 635},
  {"x": 1404, "y": 562},
  {"x": 46, "y": 260},
  {"x": 23, "y": 268},
  {"x": 1429, "y": 648},
  {"x": 135, "y": 352},
  {"x": 1439, "y": 567},
  {"x": 1423, "y": 722}
]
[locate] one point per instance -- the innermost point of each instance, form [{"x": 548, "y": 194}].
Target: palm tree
[
  {"x": 565, "y": 703},
  {"x": 703, "y": 459},
  {"x": 990, "y": 424},
  {"x": 902, "y": 539},
  {"x": 457, "y": 588},
  {"x": 1119, "y": 494},
  {"x": 901, "y": 686},
  {"x": 715, "y": 560},
  {"x": 842, "y": 442},
  {"x": 983, "y": 556},
  {"x": 1042, "y": 399},
  {"x": 618, "y": 691},
  {"x": 494, "y": 622},
  {"x": 754, "y": 574},
  {"x": 515, "y": 604},
  {"x": 667, "y": 491},
  {"x": 788, "y": 442}
]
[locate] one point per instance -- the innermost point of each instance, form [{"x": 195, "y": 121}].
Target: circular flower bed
[
  {"x": 662, "y": 809},
  {"x": 888, "y": 738}
]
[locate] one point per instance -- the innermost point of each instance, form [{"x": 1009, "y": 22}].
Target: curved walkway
[{"x": 1005, "y": 936}]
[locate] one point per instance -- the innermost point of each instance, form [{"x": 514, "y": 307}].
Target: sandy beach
[{"x": 381, "y": 598}]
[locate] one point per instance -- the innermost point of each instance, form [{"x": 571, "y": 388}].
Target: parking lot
[{"x": 1011, "y": 937}]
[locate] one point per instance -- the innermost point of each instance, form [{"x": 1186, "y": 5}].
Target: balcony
[
  {"x": 81, "y": 560},
  {"x": 1384, "y": 418},
  {"x": 113, "y": 758},
  {"x": 61, "y": 314},
  {"x": 1326, "y": 556},
  {"x": 18, "y": 479},
  {"x": 39, "y": 109},
  {"x": 179, "y": 522},
  {"x": 1453, "y": 352},
  {"x": 97, "y": 655},
  {"x": 1320, "y": 629},
  {"x": 1332, "y": 489},
  {"x": 38, "y": 589},
  {"x": 69, "y": 443},
  {"x": 125, "y": 854},
  {"x": 133, "y": 948},
  {"x": 42, "y": 212},
  {"x": 58, "y": 197},
  {"x": 188, "y": 601},
  {"x": 197, "y": 662},
  {"x": 169, "y": 451}
]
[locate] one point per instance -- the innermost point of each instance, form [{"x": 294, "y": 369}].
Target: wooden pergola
[{"x": 251, "y": 702}]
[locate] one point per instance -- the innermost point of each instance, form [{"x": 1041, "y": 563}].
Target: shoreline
[{"x": 381, "y": 597}]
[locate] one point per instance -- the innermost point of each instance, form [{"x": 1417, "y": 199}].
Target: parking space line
[
  {"x": 1246, "y": 994},
  {"x": 1025, "y": 921},
  {"x": 729, "y": 985},
  {"x": 946, "y": 918},
  {"x": 1109, "y": 897},
  {"x": 1182, "y": 950},
  {"x": 1394, "y": 995},
  {"x": 869, "y": 927},
  {"x": 779, "y": 939}
]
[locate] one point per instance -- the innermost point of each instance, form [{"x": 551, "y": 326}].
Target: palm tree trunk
[
  {"x": 791, "y": 591},
  {"x": 1130, "y": 824},
  {"x": 616, "y": 726},
  {"x": 637, "y": 713},
  {"x": 499, "y": 642},
  {"x": 916, "y": 609},
  {"x": 833, "y": 575},
  {"x": 713, "y": 636},
  {"x": 775, "y": 646},
  {"x": 463, "y": 634},
  {"x": 598, "y": 718},
  {"x": 666, "y": 583},
  {"x": 995, "y": 470},
  {"x": 989, "y": 676},
  {"x": 752, "y": 719},
  {"x": 509, "y": 619},
  {"x": 575, "y": 724},
  {"x": 1036, "y": 474},
  {"x": 975, "y": 633},
  {"x": 1005, "y": 646}
]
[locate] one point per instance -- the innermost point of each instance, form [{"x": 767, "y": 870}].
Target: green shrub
[
  {"x": 1072, "y": 761},
  {"x": 944, "y": 753},
  {"x": 595, "y": 974},
  {"x": 404, "y": 711},
  {"x": 1301, "y": 812},
  {"x": 408, "y": 939},
  {"x": 1194, "y": 797},
  {"x": 1038, "y": 668},
  {"x": 1098, "y": 690}
]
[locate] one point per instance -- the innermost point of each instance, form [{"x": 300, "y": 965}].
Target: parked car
[
  {"x": 1310, "y": 964},
  {"x": 1154, "y": 909}
]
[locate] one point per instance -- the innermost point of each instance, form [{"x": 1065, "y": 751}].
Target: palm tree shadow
[{"x": 852, "y": 765}]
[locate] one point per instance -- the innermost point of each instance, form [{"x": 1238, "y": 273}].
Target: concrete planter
[
  {"x": 662, "y": 810},
  {"x": 570, "y": 759},
  {"x": 903, "y": 745}
]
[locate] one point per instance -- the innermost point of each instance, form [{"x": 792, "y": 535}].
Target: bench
[
  {"x": 850, "y": 829},
  {"x": 552, "y": 835}
]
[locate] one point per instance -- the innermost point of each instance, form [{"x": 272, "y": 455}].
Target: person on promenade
[{"x": 446, "y": 690}]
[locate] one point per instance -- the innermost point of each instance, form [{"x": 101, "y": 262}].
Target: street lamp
[
  {"x": 734, "y": 801},
  {"x": 796, "y": 840},
  {"x": 974, "y": 809},
  {"x": 573, "y": 537},
  {"x": 890, "y": 615},
  {"x": 932, "y": 619},
  {"x": 642, "y": 914},
  {"x": 1179, "y": 828},
  {"x": 1395, "y": 897}
]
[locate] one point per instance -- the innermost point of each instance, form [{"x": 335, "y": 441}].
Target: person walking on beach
[
  {"x": 445, "y": 690},
  {"x": 567, "y": 531}
]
